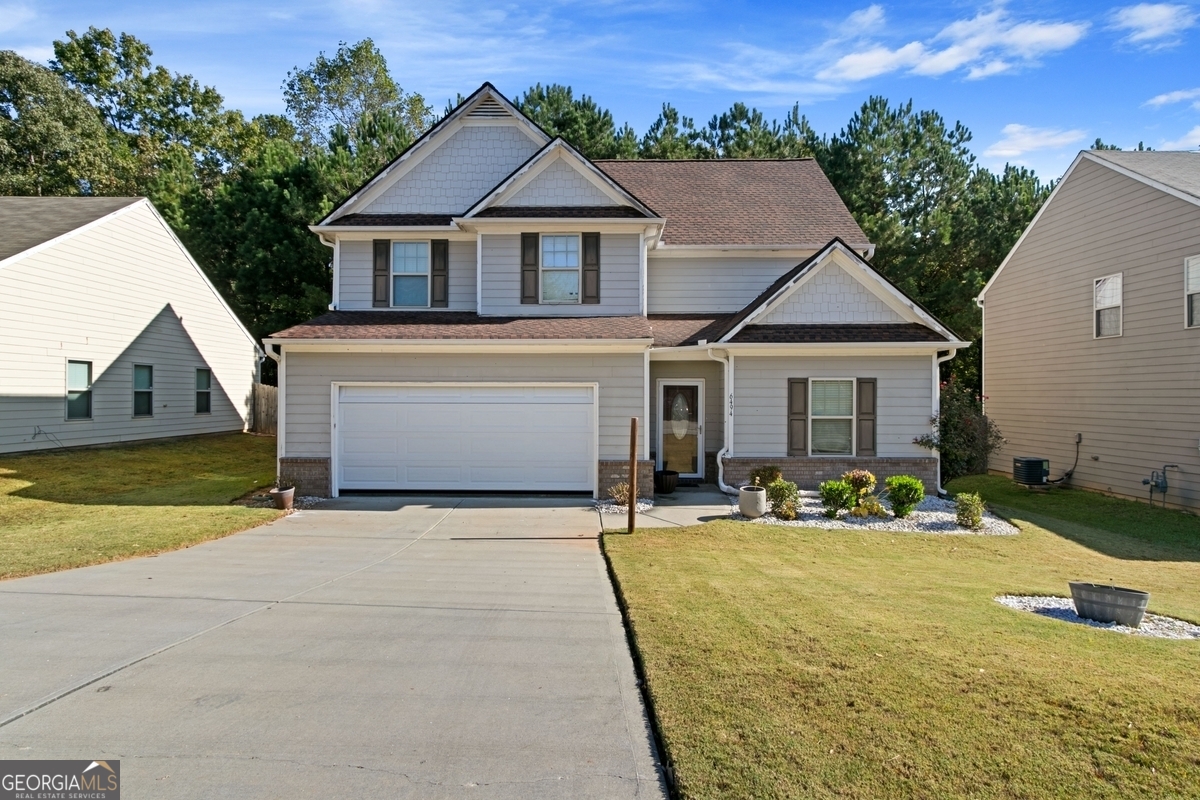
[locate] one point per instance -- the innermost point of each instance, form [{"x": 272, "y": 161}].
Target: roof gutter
[
  {"x": 728, "y": 403},
  {"x": 937, "y": 406}
]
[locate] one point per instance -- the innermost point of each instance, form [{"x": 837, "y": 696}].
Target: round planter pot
[
  {"x": 283, "y": 498},
  {"x": 752, "y": 501},
  {"x": 665, "y": 481},
  {"x": 1104, "y": 603}
]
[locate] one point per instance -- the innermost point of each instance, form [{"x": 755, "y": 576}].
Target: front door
[{"x": 681, "y": 427}]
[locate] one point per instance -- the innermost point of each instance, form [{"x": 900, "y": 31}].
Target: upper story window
[
  {"x": 79, "y": 390},
  {"x": 560, "y": 269},
  {"x": 410, "y": 274},
  {"x": 1106, "y": 303},
  {"x": 143, "y": 390},
  {"x": 1191, "y": 279}
]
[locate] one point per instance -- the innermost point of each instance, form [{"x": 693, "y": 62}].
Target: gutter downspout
[
  {"x": 937, "y": 406},
  {"x": 724, "y": 451}
]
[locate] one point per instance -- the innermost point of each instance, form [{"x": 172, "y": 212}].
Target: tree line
[{"x": 104, "y": 119}]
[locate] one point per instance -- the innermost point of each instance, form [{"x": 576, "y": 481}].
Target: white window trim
[
  {"x": 67, "y": 394},
  {"x": 578, "y": 270},
  {"x": 1188, "y": 262},
  {"x": 135, "y": 390},
  {"x": 1120, "y": 306},
  {"x": 392, "y": 272},
  {"x": 207, "y": 391},
  {"x": 853, "y": 418}
]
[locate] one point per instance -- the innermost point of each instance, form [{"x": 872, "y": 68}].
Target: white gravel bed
[
  {"x": 298, "y": 503},
  {"x": 932, "y": 515},
  {"x": 1063, "y": 608},
  {"x": 611, "y": 507}
]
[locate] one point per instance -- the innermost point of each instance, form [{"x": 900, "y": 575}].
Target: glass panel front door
[{"x": 680, "y": 434}]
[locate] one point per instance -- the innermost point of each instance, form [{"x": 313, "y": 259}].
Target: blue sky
[{"x": 1034, "y": 82}]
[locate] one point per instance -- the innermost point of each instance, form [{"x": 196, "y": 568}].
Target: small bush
[
  {"x": 905, "y": 491},
  {"x": 963, "y": 435},
  {"x": 968, "y": 507},
  {"x": 862, "y": 481},
  {"x": 836, "y": 496},
  {"x": 620, "y": 494},
  {"x": 860, "y": 512},
  {"x": 779, "y": 492},
  {"x": 786, "y": 510},
  {"x": 765, "y": 475},
  {"x": 871, "y": 507}
]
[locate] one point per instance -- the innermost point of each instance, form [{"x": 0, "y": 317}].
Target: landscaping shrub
[
  {"x": 836, "y": 496},
  {"x": 905, "y": 491},
  {"x": 871, "y": 507},
  {"x": 779, "y": 492},
  {"x": 962, "y": 434},
  {"x": 786, "y": 510},
  {"x": 968, "y": 507},
  {"x": 862, "y": 481},
  {"x": 765, "y": 475},
  {"x": 620, "y": 494}
]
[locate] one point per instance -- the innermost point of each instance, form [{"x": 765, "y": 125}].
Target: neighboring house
[
  {"x": 109, "y": 331},
  {"x": 1092, "y": 327},
  {"x": 502, "y": 307}
]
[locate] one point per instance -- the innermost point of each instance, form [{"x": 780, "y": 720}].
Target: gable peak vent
[{"x": 488, "y": 108}]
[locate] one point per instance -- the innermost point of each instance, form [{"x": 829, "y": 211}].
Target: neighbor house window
[
  {"x": 410, "y": 274},
  {"x": 203, "y": 391},
  {"x": 831, "y": 418},
  {"x": 79, "y": 390},
  {"x": 560, "y": 269},
  {"x": 143, "y": 390},
  {"x": 1106, "y": 300},
  {"x": 1191, "y": 278}
]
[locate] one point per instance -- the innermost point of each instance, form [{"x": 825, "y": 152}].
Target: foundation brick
[
  {"x": 310, "y": 476},
  {"x": 614, "y": 472}
]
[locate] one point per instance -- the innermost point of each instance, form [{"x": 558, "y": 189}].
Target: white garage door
[{"x": 466, "y": 438}]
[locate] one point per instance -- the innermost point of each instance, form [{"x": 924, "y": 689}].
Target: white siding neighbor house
[
  {"x": 502, "y": 307},
  {"x": 109, "y": 331},
  {"x": 1092, "y": 328}
]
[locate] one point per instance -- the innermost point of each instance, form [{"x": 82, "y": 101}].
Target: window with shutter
[
  {"x": 380, "y": 297},
  {"x": 797, "y": 416},
  {"x": 439, "y": 273},
  {"x": 591, "y": 268},
  {"x": 529, "y": 268},
  {"x": 867, "y": 400}
]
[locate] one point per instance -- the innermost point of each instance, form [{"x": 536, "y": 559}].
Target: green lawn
[
  {"x": 70, "y": 508},
  {"x": 795, "y": 662}
]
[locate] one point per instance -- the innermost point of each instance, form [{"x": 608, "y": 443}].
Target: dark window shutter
[
  {"x": 529, "y": 268},
  {"x": 591, "y": 269},
  {"x": 867, "y": 402},
  {"x": 439, "y": 273},
  {"x": 380, "y": 296},
  {"x": 797, "y": 416}
]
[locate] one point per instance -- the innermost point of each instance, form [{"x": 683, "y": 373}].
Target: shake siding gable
[
  {"x": 1046, "y": 378},
  {"x": 73, "y": 300},
  {"x": 832, "y": 295},
  {"x": 619, "y": 279},
  {"x": 559, "y": 184}
]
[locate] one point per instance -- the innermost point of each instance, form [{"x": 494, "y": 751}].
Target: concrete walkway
[
  {"x": 372, "y": 647},
  {"x": 687, "y": 505}
]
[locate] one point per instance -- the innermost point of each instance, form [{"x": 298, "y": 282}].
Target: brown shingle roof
[
  {"x": 394, "y": 220},
  {"x": 740, "y": 201},
  {"x": 860, "y": 332},
  {"x": 26, "y": 222},
  {"x": 462, "y": 325},
  {"x": 676, "y": 330}
]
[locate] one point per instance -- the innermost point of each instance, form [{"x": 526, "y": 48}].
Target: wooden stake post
[{"x": 633, "y": 491}]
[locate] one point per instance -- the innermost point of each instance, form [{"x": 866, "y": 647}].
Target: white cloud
[
  {"x": 1021, "y": 139},
  {"x": 988, "y": 44},
  {"x": 39, "y": 53},
  {"x": 14, "y": 16},
  {"x": 1181, "y": 96},
  {"x": 1189, "y": 141},
  {"x": 1154, "y": 25},
  {"x": 868, "y": 19}
]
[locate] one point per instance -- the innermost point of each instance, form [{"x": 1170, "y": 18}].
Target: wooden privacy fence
[{"x": 264, "y": 409}]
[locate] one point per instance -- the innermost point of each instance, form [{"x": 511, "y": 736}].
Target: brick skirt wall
[
  {"x": 614, "y": 472},
  {"x": 310, "y": 476},
  {"x": 808, "y": 472}
]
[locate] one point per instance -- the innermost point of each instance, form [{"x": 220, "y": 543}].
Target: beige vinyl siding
[
  {"x": 356, "y": 291},
  {"x": 1136, "y": 397},
  {"x": 309, "y": 375},
  {"x": 905, "y": 399},
  {"x": 709, "y": 285},
  {"x": 713, "y": 374},
  {"x": 619, "y": 279},
  {"x": 118, "y": 294}
]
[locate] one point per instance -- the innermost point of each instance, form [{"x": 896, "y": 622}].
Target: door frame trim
[
  {"x": 658, "y": 456},
  {"x": 335, "y": 388}
]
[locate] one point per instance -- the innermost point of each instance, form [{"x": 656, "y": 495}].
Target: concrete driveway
[{"x": 371, "y": 647}]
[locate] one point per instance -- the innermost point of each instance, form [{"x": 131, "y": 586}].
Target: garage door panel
[{"x": 535, "y": 438}]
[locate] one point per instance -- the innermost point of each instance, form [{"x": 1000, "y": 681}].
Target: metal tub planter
[{"x": 1096, "y": 601}]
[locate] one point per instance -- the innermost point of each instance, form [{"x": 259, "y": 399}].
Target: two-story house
[{"x": 502, "y": 307}]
